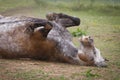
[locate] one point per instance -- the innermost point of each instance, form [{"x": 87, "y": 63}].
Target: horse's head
[
  {"x": 91, "y": 52},
  {"x": 87, "y": 41}
]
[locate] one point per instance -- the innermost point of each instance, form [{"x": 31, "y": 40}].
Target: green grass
[
  {"x": 10, "y": 4},
  {"x": 78, "y": 32},
  {"x": 101, "y": 20}
]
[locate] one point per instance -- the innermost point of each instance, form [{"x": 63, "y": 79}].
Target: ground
[
  {"x": 103, "y": 26},
  {"x": 40, "y": 70}
]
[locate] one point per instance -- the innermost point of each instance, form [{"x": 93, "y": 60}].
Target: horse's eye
[
  {"x": 89, "y": 37},
  {"x": 86, "y": 38}
]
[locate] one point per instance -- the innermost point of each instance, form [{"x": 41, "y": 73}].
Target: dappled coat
[
  {"x": 44, "y": 39},
  {"x": 22, "y": 37},
  {"x": 18, "y": 37}
]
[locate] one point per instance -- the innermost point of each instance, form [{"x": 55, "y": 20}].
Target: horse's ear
[
  {"x": 81, "y": 38},
  {"x": 91, "y": 40}
]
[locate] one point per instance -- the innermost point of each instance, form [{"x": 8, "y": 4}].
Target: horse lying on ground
[
  {"x": 30, "y": 37},
  {"x": 26, "y": 37},
  {"x": 89, "y": 54}
]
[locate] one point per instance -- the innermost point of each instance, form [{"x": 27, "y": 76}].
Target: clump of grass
[
  {"x": 90, "y": 74},
  {"x": 78, "y": 32}
]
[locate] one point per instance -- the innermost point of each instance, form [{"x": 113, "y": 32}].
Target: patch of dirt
[
  {"x": 10, "y": 68},
  {"x": 53, "y": 68},
  {"x": 26, "y": 65}
]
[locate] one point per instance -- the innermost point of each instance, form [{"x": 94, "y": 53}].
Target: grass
[
  {"x": 78, "y": 33},
  {"x": 101, "y": 20},
  {"x": 90, "y": 74},
  {"x": 7, "y": 4}
]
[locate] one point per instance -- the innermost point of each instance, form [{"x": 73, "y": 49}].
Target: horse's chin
[{"x": 101, "y": 64}]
